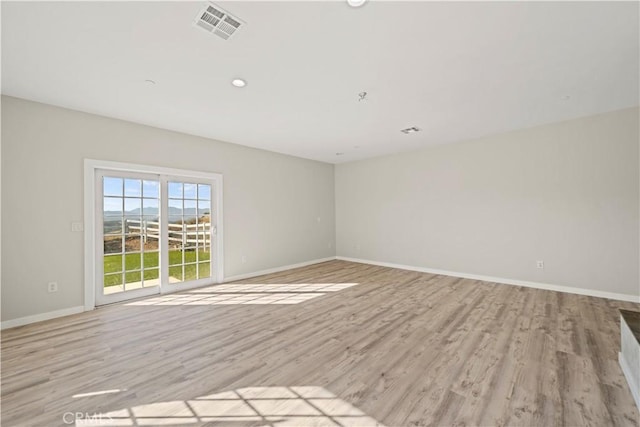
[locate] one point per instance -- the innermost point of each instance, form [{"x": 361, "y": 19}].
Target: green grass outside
[{"x": 113, "y": 264}]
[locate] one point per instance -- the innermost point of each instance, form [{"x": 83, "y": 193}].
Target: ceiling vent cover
[
  {"x": 410, "y": 130},
  {"x": 215, "y": 20}
]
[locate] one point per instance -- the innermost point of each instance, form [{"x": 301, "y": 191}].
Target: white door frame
[{"x": 90, "y": 168}]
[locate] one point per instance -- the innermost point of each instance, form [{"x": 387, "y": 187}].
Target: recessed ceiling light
[
  {"x": 356, "y": 3},
  {"x": 149, "y": 82},
  {"x": 238, "y": 83}
]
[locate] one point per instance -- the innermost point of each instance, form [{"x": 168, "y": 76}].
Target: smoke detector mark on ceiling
[
  {"x": 215, "y": 20},
  {"x": 410, "y": 130}
]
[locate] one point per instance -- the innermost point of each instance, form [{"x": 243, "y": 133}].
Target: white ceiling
[{"x": 455, "y": 70}]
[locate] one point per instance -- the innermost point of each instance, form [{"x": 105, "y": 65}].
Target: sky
[{"x": 144, "y": 194}]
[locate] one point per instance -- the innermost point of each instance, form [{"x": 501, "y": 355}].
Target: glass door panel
[
  {"x": 130, "y": 218},
  {"x": 189, "y": 231}
]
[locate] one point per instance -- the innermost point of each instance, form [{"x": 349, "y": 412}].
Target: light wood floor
[{"x": 399, "y": 348}]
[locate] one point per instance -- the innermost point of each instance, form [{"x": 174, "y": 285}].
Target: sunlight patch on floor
[
  {"x": 275, "y": 287},
  {"x": 97, "y": 393},
  {"x": 305, "y": 406},
  {"x": 230, "y": 294}
]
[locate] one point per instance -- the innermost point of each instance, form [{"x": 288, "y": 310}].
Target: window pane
[
  {"x": 190, "y": 191},
  {"x": 190, "y": 272},
  {"x": 151, "y": 259},
  {"x": 150, "y": 207},
  {"x": 151, "y": 230},
  {"x": 204, "y": 270},
  {"x": 175, "y": 207},
  {"x": 150, "y": 189},
  {"x": 190, "y": 209},
  {"x": 112, "y": 263},
  {"x": 132, "y": 207},
  {"x": 175, "y": 274},
  {"x": 133, "y": 277},
  {"x": 199, "y": 235},
  {"x": 151, "y": 222},
  {"x": 176, "y": 237},
  {"x": 152, "y": 273},
  {"x": 205, "y": 235},
  {"x": 112, "y": 207},
  {"x": 204, "y": 256},
  {"x": 112, "y": 225},
  {"x": 133, "y": 187},
  {"x": 132, "y": 226},
  {"x": 175, "y": 190},
  {"x": 112, "y": 279},
  {"x": 133, "y": 243},
  {"x": 190, "y": 256},
  {"x": 112, "y": 186},
  {"x": 112, "y": 244},
  {"x": 175, "y": 257},
  {"x": 132, "y": 262},
  {"x": 204, "y": 207},
  {"x": 204, "y": 192},
  {"x": 151, "y": 277},
  {"x": 176, "y": 221}
]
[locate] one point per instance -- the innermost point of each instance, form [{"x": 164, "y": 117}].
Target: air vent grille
[
  {"x": 410, "y": 130},
  {"x": 218, "y": 21},
  {"x": 215, "y": 12},
  {"x": 210, "y": 19}
]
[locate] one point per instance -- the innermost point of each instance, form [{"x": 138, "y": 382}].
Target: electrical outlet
[
  {"x": 318, "y": 219},
  {"x": 52, "y": 287},
  {"x": 77, "y": 227},
  {"x": 244, "y": 259},
  {"x": 540, "y": 264},
  {"x": 330, "y": 245}
]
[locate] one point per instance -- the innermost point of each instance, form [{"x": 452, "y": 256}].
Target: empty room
[{"x": 348, "y": 213}]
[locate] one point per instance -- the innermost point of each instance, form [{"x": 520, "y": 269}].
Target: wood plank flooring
[{"x": 337, "y": 343}]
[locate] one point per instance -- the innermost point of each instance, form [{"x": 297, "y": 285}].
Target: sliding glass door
[{"x": 154, "y": 234}]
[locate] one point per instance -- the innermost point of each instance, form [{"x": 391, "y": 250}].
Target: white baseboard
[
  {"x": 536, "y": 285},
  {"x": 580, "y": 291},
  {"x": 79, "y": 309},
  {"x": 626, "y": 370},
  {"x": 40, "y": 317},
  {"x": 276, "y": 269}
]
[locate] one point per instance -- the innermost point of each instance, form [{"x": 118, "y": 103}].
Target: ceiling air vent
[
  {"x": 410, "y": 130},
  {"x": 215, "y": 20}
]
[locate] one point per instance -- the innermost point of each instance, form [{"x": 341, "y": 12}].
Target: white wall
[
  {"x": 271, "y": 201},
  {"x": 566, "y": 193}
]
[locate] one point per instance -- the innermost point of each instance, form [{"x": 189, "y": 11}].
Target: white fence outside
[{"x": 185, "y": 235}]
